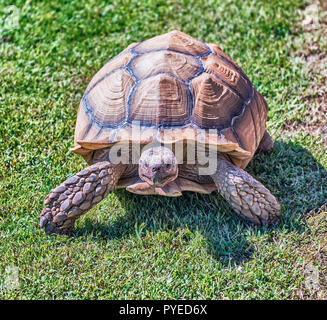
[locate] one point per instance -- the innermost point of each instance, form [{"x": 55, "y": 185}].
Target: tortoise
[{"x": 167, "y": 97}]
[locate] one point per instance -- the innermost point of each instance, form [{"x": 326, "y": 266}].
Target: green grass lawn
[{"x": 136, "y": 247}]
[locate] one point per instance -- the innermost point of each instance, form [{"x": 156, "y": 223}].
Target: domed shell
[{"x": 172, "y": 88}]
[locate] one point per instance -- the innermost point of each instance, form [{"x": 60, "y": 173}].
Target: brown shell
[{"x": 172, "y": 88}]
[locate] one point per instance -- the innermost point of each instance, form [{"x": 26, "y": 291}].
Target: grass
[{"x": 135, "y": 247}]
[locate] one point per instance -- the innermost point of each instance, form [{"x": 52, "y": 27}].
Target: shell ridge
[
  {"x": 180, "y": 35},
  {"x": 104, "y": 77},
  {"x": 237, "y": 138},
  {"x": 114, "y": 137},
  {"x": 188, "y": 83},
  {"x": 93, "y": 120},
  {"x": 240, "y": 115},
  {"x": 255, "y": 127},
  {"x": 244, "y": 105},
  {"x": 163, "y": 125},
  {"x": 162, "y": 72},
  {"x": 87, "y": 106},
  {"x": 233, "y": 65},
  {"x": 99, "y": 132},
  {"x": 130, "y": 71},
  {"x": 258, "y": 96},
  {"x": 174, "y": 50},
  {"x": 199, "y": 72},
  {"x": 225, "y": 83},
  {"x": 128, "y": 104},
  {"x": 109, "y": 61},
  {"x": 189, "y": 90},
  {"x": 87, "y": 130},
  {"x": 196, "y": 58}
]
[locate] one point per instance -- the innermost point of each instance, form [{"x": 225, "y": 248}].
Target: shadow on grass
[{"x": 290, "y": 172}]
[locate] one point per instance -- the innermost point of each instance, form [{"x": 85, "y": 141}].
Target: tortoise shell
[{"x": 172, "y": 88}]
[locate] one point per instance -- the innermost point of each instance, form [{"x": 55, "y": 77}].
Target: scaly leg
[
  {"x": 78, "y": 194},
  {"x": 247, "y": 196}
]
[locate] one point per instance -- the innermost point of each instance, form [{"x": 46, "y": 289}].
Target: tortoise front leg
[
  {"x": 247, "y": 196},
  {"x": 78, "y": 194}
]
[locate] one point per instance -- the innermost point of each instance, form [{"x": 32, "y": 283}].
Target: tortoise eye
[
  {"x": 168, "y": 165},
  {"x": 143, "y": 164}
]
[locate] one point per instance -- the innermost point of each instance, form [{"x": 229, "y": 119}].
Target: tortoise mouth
[{"x": 157, "y": 181}]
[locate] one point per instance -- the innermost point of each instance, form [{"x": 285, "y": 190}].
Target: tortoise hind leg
[
  {"x": 78, "y": 194},
  {"x": 266, "y": 144},
  {"x": 247, "y": 196}
]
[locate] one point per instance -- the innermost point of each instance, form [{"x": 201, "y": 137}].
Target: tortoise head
[{"x": 158, "y": 166}]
